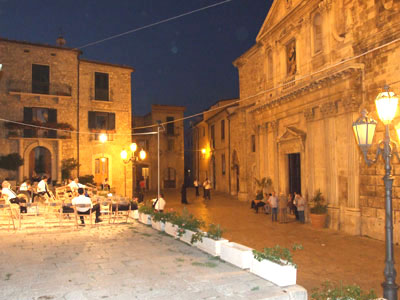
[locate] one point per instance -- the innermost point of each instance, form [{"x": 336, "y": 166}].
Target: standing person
[
  {"x": 159, "y": 204},
  {"x": 283, "y": 204},
  {"x": 196, "y": 186},
  {"x": 142, "y": 184},
  {"x": 183, "y": 194},
  {"x": 300, "y": 208},
  {"x": 11, "y": 197},
  {"x": 273, "y": 200},
  {"x": 82, "y": 199},
  {"x": 207, "y": 189},
  {"x": 295, "y": 205}
]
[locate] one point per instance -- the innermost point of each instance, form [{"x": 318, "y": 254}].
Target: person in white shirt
[
  {"x": 26, "y": 189},
  {"x": 75, "y": 185},
  {"x": 159, "y": 204},
  {"x": 42, "y": 187},
  {"x": 273, "y": 201},
  {"x": 82, "y": 199},
  {"x": 11, "y": 197},
  {"x": 207, "y": 189},
  {"x": 196, "y": 186}
]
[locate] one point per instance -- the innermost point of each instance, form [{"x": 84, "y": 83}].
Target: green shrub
[
  {"x": 277, "y": 254},
  {"x": 187, "y": 221},
  {"x": 67, "y": 166},
  {"x": 214, "y": 232},
  {"x": 85, "y": 179},
  {"x": 11, "y": 161},
  {"x": 144, "y": 209},
  {"x": 341, "y": 292},
  {"x": 319, "y": 207}
]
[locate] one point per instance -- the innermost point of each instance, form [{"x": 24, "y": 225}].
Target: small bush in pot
[
  {"x": 340, "y": 292},
  {"x": 214, "y": 232},
  {"x": 147, "y": 210},
  {"x": 277, "y": 254},
  {"x": 319, "y": 207}
]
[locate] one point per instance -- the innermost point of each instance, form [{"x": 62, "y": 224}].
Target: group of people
[
  {"x": 206, "y": 188},
  {"x": 271, "y": 203}
]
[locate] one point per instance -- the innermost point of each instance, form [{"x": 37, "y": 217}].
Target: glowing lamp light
[
  {"x": 142, "y": 154},
  {"x": 133, "y": 147},
  {"x": 386, "y": 105},
  {"x": 1, "y": 67},
  {"x": 103, "y": 159},
  {"x": 124, "y": 154},
  {"x": 103, "y": 138},
  {"x": 364, "y": 130},
  {"x": 203, "y": 150}
]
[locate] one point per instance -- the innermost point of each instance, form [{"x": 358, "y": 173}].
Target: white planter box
[
  {"x": 187, "y": 236},
  {"x": 211, "y": 246},
  {"x": 237, "y": 254},
  {"x": 282, "y": 275},
  {"x": 170, "y": 229},
  {"x": 145, "y": 219},
  {"x": 158, "y": 225},
  {"x": 134, "y": 214}
]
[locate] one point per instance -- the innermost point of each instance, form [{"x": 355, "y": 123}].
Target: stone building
[
  {"x": 314, "y": 66},
  {"x": 52, "y": 87},
  {"x": 211, "y": 146},
  {"x": 171, "y": 146}
]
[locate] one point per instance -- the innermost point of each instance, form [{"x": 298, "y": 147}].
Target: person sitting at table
[
  {"x": 82, "y": 199},
  {"x": 105, "y": 185},
  {"x": 11, "y": 197},
  {"x": 159, "y": 203}
]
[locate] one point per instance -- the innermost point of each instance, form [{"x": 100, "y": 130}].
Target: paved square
[{"x": 122, "y": 261}]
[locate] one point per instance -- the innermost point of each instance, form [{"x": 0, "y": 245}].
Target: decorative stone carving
[
  {"x": 328, "y": 109},
  {"x": 292, "y": 140},
  {"x": 351, "y": 103},
  {"x": 309, "y": 114},
  {"x": 288, "y": 4},
  {"x": 325, "y": 5},
  {"x": 274, "y": 124}
]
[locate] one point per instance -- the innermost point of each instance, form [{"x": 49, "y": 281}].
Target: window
[
  {"x": 40, "y": 79},
  {"x": 143, "y": 144},
  {"x": 222, "y": 129},
  {"x": 101, "y": 86},
  {"x": 170, "y": 126},
  {"x": 317, "y": 33},
  {"x": 170, "y": 145},
  {"x": 253, "y": 143},
  {"x": 40, "y": 116},
  {"x": 101, "y": 120},
  {"x": 204, "y": 131},
  {"x": 213, "y": 136},
  {"x": 223, "y": 164},
  {"x": 291, "y": 58},
  {"x": 270, "y": 67}
]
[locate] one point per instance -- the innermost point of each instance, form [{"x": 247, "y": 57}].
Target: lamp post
[
  {"x": 364, "y": 129},
  {"x": 133, "y": 158}
]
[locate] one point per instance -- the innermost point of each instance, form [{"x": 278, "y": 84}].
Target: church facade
[{"x": 315, "y": 65}]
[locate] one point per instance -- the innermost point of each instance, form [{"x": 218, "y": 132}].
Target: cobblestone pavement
[
  {"x": 327, "y": 254},
  {"x": 121, "y": 261}
]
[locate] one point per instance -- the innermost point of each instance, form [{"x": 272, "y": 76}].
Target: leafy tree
[
  {"x": 11, "y": 161},
  {"x": 67, "y": 166}
]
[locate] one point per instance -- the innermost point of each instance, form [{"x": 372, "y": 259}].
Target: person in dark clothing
[{"x": 183, "y": 194}]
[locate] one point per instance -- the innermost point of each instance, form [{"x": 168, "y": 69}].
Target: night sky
[{"x": 187, "y": 61}]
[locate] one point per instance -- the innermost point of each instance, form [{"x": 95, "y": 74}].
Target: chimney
[{"x": 60, "y": 41}]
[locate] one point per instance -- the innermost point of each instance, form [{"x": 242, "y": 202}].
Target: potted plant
[
  {"x": 275, "y": 264},
  {"x": 211, "y": 240},
  {"x": 318, "y": 211},
  {"x": 263, "y": 184},
  {"x": 145, "y": 213},
  {"x": 332, "y": 292},
  {"x": 158, "y": 220},
  {"x": 188, "y": 225}
]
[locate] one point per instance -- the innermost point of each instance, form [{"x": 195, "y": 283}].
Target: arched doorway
[{"x": 39, "y": 162}]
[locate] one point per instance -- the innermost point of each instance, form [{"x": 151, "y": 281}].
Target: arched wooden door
[{"x": 39, "y": 162}]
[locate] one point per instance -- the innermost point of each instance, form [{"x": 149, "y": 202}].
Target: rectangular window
[
  {"x": 101, "y": 86},
  {"x": 40, "y": 79},
  {"x": 42, "y": 117},
  {"x": 101, "y": 120},
  {"x": 222, "y": 129},
  {"x": 223, "y": 164},
  {"x": 170, "y": 126},
  {"x": 213, "y": 136},
  {"x": 253, "y": 143}
]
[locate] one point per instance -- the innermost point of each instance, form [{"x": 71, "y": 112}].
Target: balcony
[
  {"x": 19, "y": 87},
  {"x": 23, "y": 131}
]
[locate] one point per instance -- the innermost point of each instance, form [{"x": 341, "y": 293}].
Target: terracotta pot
[{"x": 318, "y": 221}]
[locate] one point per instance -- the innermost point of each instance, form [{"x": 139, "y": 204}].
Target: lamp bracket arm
[
  {"x": 372, "y": 161},
  {"x": 395, "y": 151}
]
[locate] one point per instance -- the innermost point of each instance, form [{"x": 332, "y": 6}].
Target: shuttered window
[{"x": 101, "y": 120}]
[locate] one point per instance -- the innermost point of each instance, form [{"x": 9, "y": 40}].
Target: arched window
[
  {"x": 270, "y": 67},
  {"x": 317, "y": 33}
]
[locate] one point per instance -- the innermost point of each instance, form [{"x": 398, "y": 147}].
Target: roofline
[
  {"x": 107, "y": 64},
  {"x": 167, "y": 107},
  {"x": 41, "y": 45}
]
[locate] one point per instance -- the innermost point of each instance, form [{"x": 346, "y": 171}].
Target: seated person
[
  {"x": 26, "y": 189},
  {"x": 11, "y": 197},
  {"x": 75, "y": 185},
  {"x": 42, "y": 188},
  {"x": 159, "y": 204},
  {"x": 105, "y": 185},
  {"x": 82, "y": 199}
]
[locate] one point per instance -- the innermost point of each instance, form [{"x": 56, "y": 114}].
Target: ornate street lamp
[
  {"x": 364, "y": 129},
  {"x": 132, "y": 158}
]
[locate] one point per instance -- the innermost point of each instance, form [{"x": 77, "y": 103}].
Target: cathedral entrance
[{"x": 294, "y": 173}]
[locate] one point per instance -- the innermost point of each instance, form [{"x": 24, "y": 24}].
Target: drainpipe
[
  {"x": 229, "y": 153},
  {"x": 77, "y": 118}
]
